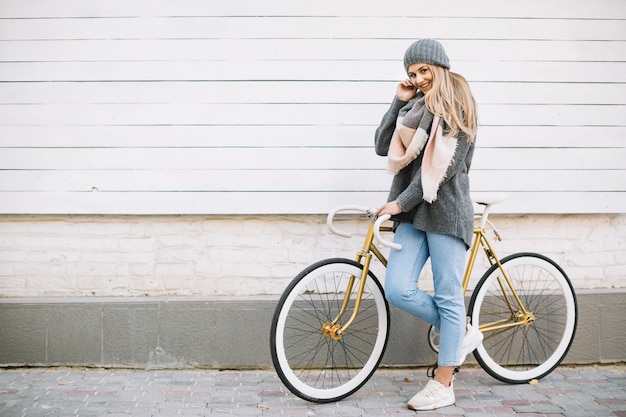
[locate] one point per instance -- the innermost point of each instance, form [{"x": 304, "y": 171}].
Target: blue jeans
[{"x": 446, "y": 308}]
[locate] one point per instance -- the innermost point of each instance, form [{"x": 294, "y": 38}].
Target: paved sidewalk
[{"x": 569, "y": 391}]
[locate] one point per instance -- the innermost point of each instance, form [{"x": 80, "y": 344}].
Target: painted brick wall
[{"x": 72, "y": 256}]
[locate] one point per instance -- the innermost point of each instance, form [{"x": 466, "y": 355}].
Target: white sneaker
[
  {"x": 434, "y": 395},
  {"x": 473, "y": 337}
]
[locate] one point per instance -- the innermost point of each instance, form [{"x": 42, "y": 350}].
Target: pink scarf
[{"x": 408, "y": 141}]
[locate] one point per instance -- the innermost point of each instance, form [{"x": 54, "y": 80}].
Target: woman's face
[{"x": 421, "y": 77}]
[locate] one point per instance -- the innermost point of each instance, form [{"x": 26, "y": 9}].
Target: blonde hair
[{"x": 451, "y": 98}]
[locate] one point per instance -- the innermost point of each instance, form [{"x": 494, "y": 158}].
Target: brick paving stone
[{"x": 569, "y": 391}]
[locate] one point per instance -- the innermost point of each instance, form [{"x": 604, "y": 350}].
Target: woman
[{"x": 428, "y": 137}]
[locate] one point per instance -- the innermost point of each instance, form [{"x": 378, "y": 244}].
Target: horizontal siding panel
[
  {"x": 275, "y": 27},
  {"x": 293, "y": 158},
  {"x": 552, "y": 136},
  {"x": 190, "y": 158},
  {"x": 226, "y": 203},
  {"x": 299, "y": 70},
  {"x": 246, "y": 50},
  {"x": 185, "y": 136},
  {"x": 524, "y": 180},
  {"x": 230, "y": 203},
  {"x": 322, "y": 92},
  {"x": 295, "y": 136},
  {"x": 196, "y": 180},
  {"x": 543, "y": 71},
  {"x": 549, "y": 158},
  {"x": 198, "y": 92},
  {"x": 292, "y": 114},
  {"x": 553, "y": 115},
  {"x": 248, "y": 180},
  {"x": 197, "y": 114},
  {"x": 122, "y": 8},
  {"x": 553, "y": 93}
]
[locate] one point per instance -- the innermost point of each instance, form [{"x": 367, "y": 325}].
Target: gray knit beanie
[{"x": 427, "y": 51}]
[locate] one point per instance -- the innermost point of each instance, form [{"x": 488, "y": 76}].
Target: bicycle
[{"x": 331, "y": 325}]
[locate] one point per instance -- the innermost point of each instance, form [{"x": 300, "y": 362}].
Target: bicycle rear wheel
[
  {"x": 543, "y": 336},
  {"x": 316, "y": 367}
]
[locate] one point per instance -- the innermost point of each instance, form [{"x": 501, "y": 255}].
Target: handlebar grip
[{"x": 379, "y": 238}]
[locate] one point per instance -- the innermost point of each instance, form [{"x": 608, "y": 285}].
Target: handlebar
[
  {"x": 485, "y": 200},
  {"x": 370, "y": 213},
  {"x": 380, "y": 239},
  {"x": 336, "y": 210}
]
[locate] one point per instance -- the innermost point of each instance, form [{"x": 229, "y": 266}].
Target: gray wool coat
[{"x": 452, "y": 213}]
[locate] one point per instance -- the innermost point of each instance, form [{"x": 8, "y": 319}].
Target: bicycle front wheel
[
  {"x": 313, "y": 365},
  {"x": 529, "y": 323}
]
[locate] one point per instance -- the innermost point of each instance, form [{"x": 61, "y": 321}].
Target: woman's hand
[
  {"x": 391, "y": 207},
  {"x": 405, "y": 91}
]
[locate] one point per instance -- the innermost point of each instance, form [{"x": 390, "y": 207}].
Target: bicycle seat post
[
  {"x": 484, "y": 215},
  {"x": 488, "y": 202}
]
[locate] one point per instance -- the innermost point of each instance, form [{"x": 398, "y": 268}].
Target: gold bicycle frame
[{"x": 519, "y": 316}]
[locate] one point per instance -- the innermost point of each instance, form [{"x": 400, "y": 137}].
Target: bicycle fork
[{"x": 333, "y": 329}]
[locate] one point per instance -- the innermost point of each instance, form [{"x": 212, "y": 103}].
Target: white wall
[
  {"x": 187, "y": 147},
  {"x": 200, "y": 107}
]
